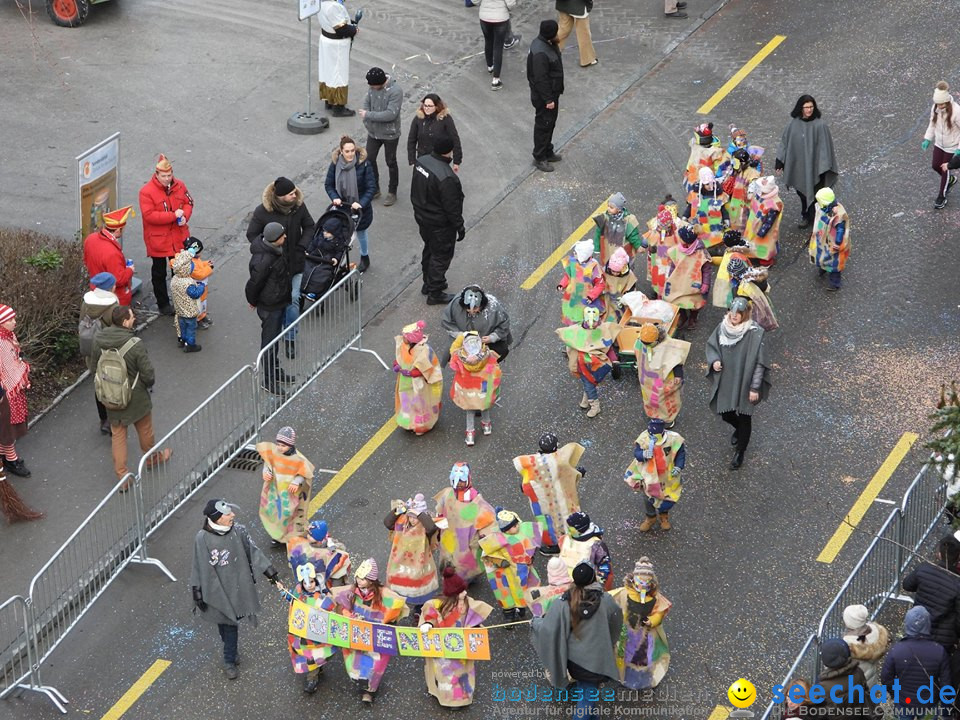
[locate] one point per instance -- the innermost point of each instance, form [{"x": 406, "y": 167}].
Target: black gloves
[
  {"x": 461, "y": 233},
  {"x": 582, "y": 470},
  {"x": 272, "y": 574},
  {"x": 198, "y": 599}
]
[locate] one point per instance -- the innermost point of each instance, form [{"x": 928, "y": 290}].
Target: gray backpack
[
  {"x": 88, "y": 328},
  {"x": 111, "y": 382}
]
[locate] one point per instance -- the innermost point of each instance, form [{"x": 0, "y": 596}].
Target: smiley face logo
[{"x": 742, "y": 693}]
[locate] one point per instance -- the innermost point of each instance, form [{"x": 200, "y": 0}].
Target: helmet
[{"x": 548, "y": 442}]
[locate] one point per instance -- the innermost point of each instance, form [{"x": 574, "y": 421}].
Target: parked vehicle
[{"x": 70, "y": 13}]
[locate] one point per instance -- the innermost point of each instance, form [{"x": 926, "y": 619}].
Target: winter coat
[
  {"x": 383, "y": 111},
  {"x": 158, "y": 206},
  {"x": 185, "y": 292},
  {"x": 745, "y": 368},
  {"x": 576, "y": 8},
  {"x": 939, "y": 592},
  {"x": 435, "y": 193},
  {"x": 366, "y": 186},
  {"x": 946, "y": 137},
  {"x": 426, "y": 130},
  {"x": 913, "y": 661},
  {"x": 495, "y": 11},
  {"x": 868, "y": 649},
  {"x": 102, "y": 253},
  {"x": 492, "y": 319},
  {"x": 544, "y": 72},
  {"x": 138, "y": 361},
  {"x": 297, "y": 223},
  {"x": 269, "y": 285},
  {"x": 98, "y": 304},
  {"x": 830, "y": 677}
]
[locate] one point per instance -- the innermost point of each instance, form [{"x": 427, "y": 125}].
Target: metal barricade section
[
  {"x": 805, "y": 667},
  {"x": 922, "y": 507}
]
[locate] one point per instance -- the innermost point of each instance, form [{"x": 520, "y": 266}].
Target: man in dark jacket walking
[
  {"x": 268, "y": 290},
  {"x": 545, "y": 75},
  {"x": 282, "y": 202},
  {"x": 381, "y": 117},
  {"x": 840, "y": 670},
  {"x": 914, "y": 661},
  {"x": 937, "y": 588},
  {"x": 437, "y": 199}
]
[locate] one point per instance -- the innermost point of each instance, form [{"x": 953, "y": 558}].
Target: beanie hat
[
  {"x": 282, "y": 186},
  {"x": 453, "y": 584},
  {"x": 193, "y": 244},
  {"x": 506, "y": 519},
  {"x": 649, "y": 333},
  {"x": 916, "y": 622},
  {"x": 656, "y": 426},
  {"x": 549, "y": 29},
  {"x": 618, "y": 199},
  {"x": 579, "y": 521},
  {"x": 331, "y": 225},
  {"x": 732, "y": 238},
  {"x": 163, "y": 165},
  {"x": 103, "y": 281},
  {"x": 583, "y": 574},
  {"x": 618, "y": 261},
  {"x": 705, "y": 175},
  {"x": 825, "y": 196},
  {"x": 941, "y": 93},
  {"x": 557, "y": 572},
  {"x": 287, "y": 435},
  {"x": 687, "y": 234},
  {"x": 643, "y": 569},
  {"x": 318, "y": 530},
  {"x": 216, "y": 509},
  {"x": 664, "y": 217},
  {"x": 417, "y": 504},
  {"x": 767, "y": 185},
  {"x": 736, "y": 267},
  {"x": 443, "y": 146},
  {"x": 413, "y": 333},
  {"x": 272, "y": 232},
  {"x": 368, "y": 570},
  {"x": 855, "y": 616},
  {"x": 7, "y": 313},
  {"x": 548, "y": 442},
  {"x": 704, "y": 133},
  {"x": 834, "y": 653},
  {"x": 376, "y": 76}
]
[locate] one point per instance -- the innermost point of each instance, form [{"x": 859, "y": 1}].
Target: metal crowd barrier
[{"x": 115, "y": 533}]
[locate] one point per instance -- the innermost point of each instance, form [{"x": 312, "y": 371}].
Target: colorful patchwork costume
[
  {"x": 308, "y": 656},
  {"x": 659, "y": 238},
  {"x": 538, "y": 599},
  {"x": 660, "y": 361},
  {"x": 590, "y": 354},
  {"x": 467, "y": 516},
  {"x": 328, "y": 557},
  {"x": 476, "y": 380},
  {"x": 705, "y": 152},
  {"x": 830, "y": 240},
  {"x": 643, "y": 655},
  {"x": 618, "y": 279},
  {"x": 507, "y": 556},
  {"x": 659, "y": 457},
  {"x": 287, "y": 477},
  {"x": 762, "y": 233},
  {"x": 419, "y": 388},
  {"x": 584, "y": 542},
  {"x": 581, "y": 284},
  {"x": 411, "y": 570}
]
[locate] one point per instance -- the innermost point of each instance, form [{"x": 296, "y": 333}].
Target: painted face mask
[
  {"x": 643, "y": 587},
  {"x": 472, "y": 345},
  {"x": 591, "y": 317},
  {"x": 583, "y": 250},
  {"x": 460, "y": 475},
  {"x": 472, "y": 298}
]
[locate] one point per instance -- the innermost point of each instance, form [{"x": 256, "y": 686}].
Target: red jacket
[
  {"x": 102, "y": 253},
  {"x": 158, "y": 206}
]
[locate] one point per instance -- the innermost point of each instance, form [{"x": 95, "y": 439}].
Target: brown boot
[
  {"x": 665, "y": 521},
  {"x": 594, "y": 409},
  {"x": 648, "y": 523},
  {"x": 584, "y": 402}
]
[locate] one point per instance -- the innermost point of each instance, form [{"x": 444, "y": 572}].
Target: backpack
[
  {"x": 87, "y": 329},
  {"x": 111, "y": 382}
]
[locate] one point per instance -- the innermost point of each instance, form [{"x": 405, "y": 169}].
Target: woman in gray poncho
[
  {"x": 805, "y": 157},
  {"x": 738, "y": 368}
]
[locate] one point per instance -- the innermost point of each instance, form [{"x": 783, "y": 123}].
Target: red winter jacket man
[
  {"x": 102, "y": 252},
  {"x": 165, "y": 208}
]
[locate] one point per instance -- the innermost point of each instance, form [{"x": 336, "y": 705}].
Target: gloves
[
  {"x": 582, "y": 470},
  {"x": 198, "y": 599},
  {"x": 461, "y": 233},
  {"x": 272, "y": 575},
  {"x": 925, "y": 144},
  {"x": 415, "y": 373},
  {"x": 396, "y": 366}
]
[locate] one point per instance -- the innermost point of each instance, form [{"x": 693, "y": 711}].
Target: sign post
[
  {"x": 98, "y": 186},
  {"x": 309, "y": 122}
]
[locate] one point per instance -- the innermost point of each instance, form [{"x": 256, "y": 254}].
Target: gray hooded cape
[
  {"x": 806, "y": 151},
  {"x": 731, "y": 386}
]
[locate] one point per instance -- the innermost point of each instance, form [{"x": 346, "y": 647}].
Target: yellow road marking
[
  {"x": 353, "y": 464},
  {"x": 719, "y": 713},
  {"x": 741, "y": 74},
  {"x": 136, "y": 690},
  {"x": 869, "y": 494},
  {"x": 547, "y": 265}
]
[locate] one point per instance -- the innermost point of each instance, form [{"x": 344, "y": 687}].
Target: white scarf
[
  {"x": 731, "y": 334},
  {"x": 219, "y": 529}
]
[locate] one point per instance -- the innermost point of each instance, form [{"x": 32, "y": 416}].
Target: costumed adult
[
  {"x": 943, "y": 131},
  {"x": 805, "y": 157},
  {"x": 103, "y": 252},
  {"x": 475, "y": 309},
  {"x": 591, "y": 355},
  {"x": 642, "y": 651},
  {"x": 336, "y": 39},
  {"x": 287, "y": 478},
  {"x": 578, "y": 636},
  {"x": 96, "y": 311},
  {"x": 14, "y": 383},
  {"x": 659, "y": 456},
  {"x": 308, "y": 656},
  {"x": 226, "y": 562},
  {"x": 738, "y": 370},
  {"x": 617, "y": 227},
  {"x": 352, "y": 183},
  {"x": 507, "y": 554},
  {"x": 660, "y": 361},
  {"x": 549, "y": 479},
  {"x": 329, "y": 557},
  {"x": 829, "y": 245},
  {"x": 450, "y": 680},
  {"x": 467, "y": 516},
  {"x": 411, "y": 570},
  {"x": 419, "y": 389}
]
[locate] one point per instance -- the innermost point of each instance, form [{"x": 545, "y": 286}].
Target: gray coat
[
  {"x": 137, "y": 360},
  {"x": 806, "y": 151},
  {"x": 383, "y": 111},
  {"x": 492, "y": 319},
  {"x": 745, "y": 368},
  {"x": 225, "y": 569}
]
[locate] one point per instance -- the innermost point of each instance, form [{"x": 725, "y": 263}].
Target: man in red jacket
[
  {"x": 102, "y": 252},
  {"x": 165, "y": 208}
]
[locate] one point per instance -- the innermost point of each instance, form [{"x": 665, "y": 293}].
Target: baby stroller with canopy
[{"x": 328, "y": 255}]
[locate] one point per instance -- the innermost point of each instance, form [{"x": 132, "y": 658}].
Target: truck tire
[{"x": 68, "y": 13}]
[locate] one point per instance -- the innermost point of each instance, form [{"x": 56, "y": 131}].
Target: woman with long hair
[
  {"x": 351, "y": 184},
  {"x": 943, "y": 131},
  {"x": 432, "y": 122},
  {"x": 805, "y": 157}
]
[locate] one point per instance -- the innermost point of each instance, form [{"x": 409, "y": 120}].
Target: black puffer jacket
[
  {"x": 435, "y": 193},
  {"x": 269, "y": 285},
  {"x": 426, "y": 130},
  {"x": 939, "y": 592},
  {"x": 297, "y": 223},
  {"x": 913, "y": 661}
]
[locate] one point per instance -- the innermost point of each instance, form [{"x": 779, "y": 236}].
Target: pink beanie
[
  {"x": 618, "y": 261},
  {"x": 557, "y": 572}
]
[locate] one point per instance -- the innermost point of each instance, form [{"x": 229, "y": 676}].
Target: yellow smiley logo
[{"x": 742, "y": 693}]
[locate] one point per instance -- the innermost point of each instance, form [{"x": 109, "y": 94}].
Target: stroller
[{"x": 328, "y": 259}]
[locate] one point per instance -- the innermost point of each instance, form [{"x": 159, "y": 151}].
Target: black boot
[
  {"x": 616, "y": 371},
  {"x": 16, "y": 467},
  {"x": 312, "y": 681},
  {"x": 342, "y": 111},
  {"x": 737, "y": 460},
  {"x": 290, "y": 349},
  {"x": 364, "y": 263},
  {"x": 105, "y": 427},
  {"x": 285, "y": 377},
  {"x": 734, "y": 439}
]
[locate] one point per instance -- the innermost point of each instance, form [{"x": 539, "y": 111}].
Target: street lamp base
[{"x": 303, "y": 123}]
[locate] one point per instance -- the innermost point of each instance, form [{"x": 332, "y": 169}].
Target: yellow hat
[
  {"x": 163, "y": 165},
  {"x": 116, "y": 219}
]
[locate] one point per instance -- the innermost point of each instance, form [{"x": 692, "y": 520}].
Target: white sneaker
[
  {"x": 495, "y": 84},
  {"x": 490, "y": 69}
]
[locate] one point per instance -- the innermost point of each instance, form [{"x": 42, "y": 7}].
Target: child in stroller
[{"x": 328, "y": 255}]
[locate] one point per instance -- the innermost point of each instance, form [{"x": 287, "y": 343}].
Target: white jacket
[
  {"x": 494, "y": 11},
  {"x": 946, "y": 137}
]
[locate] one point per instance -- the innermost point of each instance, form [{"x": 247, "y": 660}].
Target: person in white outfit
[{"x": 943, "y": 131}]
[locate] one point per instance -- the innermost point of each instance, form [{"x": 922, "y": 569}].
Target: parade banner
[
  {"x": 326, "y": 627},
  {"x": 98, "y": 188}
]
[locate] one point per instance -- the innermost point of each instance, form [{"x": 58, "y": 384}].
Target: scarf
[
  {"x": 691, "y": 248},
  {"x": 346, "y": 180},
  {"x": 219, "y": 529},
  {"x": 285, "y": 208},
  {"x": 729, "y": 334}
]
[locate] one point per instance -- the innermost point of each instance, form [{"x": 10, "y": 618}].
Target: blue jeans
[
  {"x": 590, "y": 389},
  {"x": 293, "y": 309},
  {"x": 362, "y": 240},
  {"x": 188, "y": 329},
  {"x": 664, "y": 506},
  {"x": 230, "y": 636},
  {"x": 585, "y": 703}
]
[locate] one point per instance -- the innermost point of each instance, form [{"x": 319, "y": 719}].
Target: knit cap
[
  {"x": 834, "y": 653},
  {"x": 103, "y": 281},
  {"x": 687, "y": 234},
  {"x": 318, "y": 530},
  {"x": 506, "y": 519},
  {"x": 655, "y": 427},
  {"x": 618, "y": 260},
  {"x": 643, "y": 568},
  {"x": 453, "y": 584},
  {"x": 767, "y": 185},
  {"x": 417, "y": 504},
  {"x": 443, "y": 146},
  {"x": 618, "y": 200},
  {"x": 579, "y": 521},
  {"x": 736, "y": 267},
  {"x": 287, "y": 435},
  {"x": 549, "y": 29},
  {"x": 376, "y": 76},
  {"x": 368, "y": 570},
  {"x": 649, "y": 333},
  {"x": 855, "y": 616},
  {"x": 413, "y": 333},
  {"x": 283, "y": 186},
  {"x": 941, "y": 93},
  {"x": 706, "y": 176},
  {"x": 272, "y": 232},
  {"x": 7, "y": 313},
  {"x": 557, "y": 572},
  {"x": 825, "y": 196},
  {"x": 583, "y": 574}
]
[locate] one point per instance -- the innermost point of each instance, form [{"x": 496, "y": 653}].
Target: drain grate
[{"x": 247, "y": 459}]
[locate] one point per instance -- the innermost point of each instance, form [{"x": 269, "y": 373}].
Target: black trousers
[
  {"x": 742, "y": 425},
  {"x": 495, "y": 34},
  {"x": 544, "y": 121},
  {"x": 230, "y": 634},
  {"x": 271, "y": 325},
  {"x": 439, "y": 244},
  {"x": 806, "y": 209},
  {"x": 101, "y": 409},
  {"x": 390, "y": 154},
  {"x": 158, "y": 274}
]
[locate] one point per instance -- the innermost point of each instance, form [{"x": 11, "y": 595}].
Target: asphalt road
[{"x": 852, "y": 370}]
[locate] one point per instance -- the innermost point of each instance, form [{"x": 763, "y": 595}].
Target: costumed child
[
  {"x": 507, "y": 556},
  {"x": 476, "y": 381},
  {"x": 450, "y": 680},
  {"x": 411, "y": 570},
  {"x": 308, "y": 656},
  {"x": 419, "y": 386},
  {"x": 688, "y": 281},
  {"x": 707, "y": 210},
  {"x": 617, "y": 227},
  {"x": 738, "y": 141},
  {"x": 185, "y": 293},
  {"x": 202, "y": 269},
  {"x": 705, "y": 152},
  {"x": 327, "y": 555},
  {"x": 642, "y": 652},
  {"x": 762, "y": 233},
  {"x": 659, "y": 456},
  {"x": 549, "y": 481},
  {"x": 734, "y": 247},
  {"x": 584, "y": 543},
  {"x": 539, "y": 599},
  {"x": 660, "y": 361},
  {"x": 591, "y": 355},
  {"x": 581, "y": 284},
  {"x": 618, "y": 279},
  {"x": 738, "y": 175},
  {"x": 830, "y": 241},
  {"x": 467, "y": 516},
  {"x": 287, "y": 477},
  {"x": 14, "y": 383},
  {"x": 659, "y": 238},
  {"x": 371, "y": 602},
  {"x": 751, "y": 282}
]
